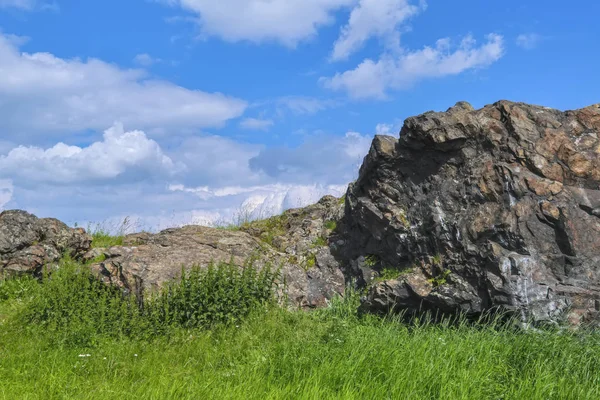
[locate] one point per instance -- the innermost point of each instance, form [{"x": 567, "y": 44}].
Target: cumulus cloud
[
  {"x": 204, "y": 180},
  {"x": 217, "y": 161},
  {"x": 259, "y": 201},
  {"x": 383, "y": 129},
  {"x": 321, "y": 159},
  {"x": 285, "y": 21},
  {"x": 372, "y": 79},
  {"x": 373, "y": 18},
  {"x": 528, "y": 41},
  {"x": 43, "y": 93},
  {"x": 119, "y": 155},
  {"x": 256, "y": 124}
]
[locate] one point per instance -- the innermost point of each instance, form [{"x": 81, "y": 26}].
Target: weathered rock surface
[
  {"x": 28, "y": 243},
  {"x": 312, "y": 276},
  {"x": 482, "y": 209}
]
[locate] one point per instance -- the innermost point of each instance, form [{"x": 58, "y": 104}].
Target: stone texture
[
  {"x": 482, "y": 209},
  {"x": 28, "y": 243},
  {"x": 312, "y": 276}
]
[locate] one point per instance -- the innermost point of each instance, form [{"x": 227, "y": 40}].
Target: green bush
[
  {"x": 76, "y": 308},
  {"x": 221, "y": 293}
]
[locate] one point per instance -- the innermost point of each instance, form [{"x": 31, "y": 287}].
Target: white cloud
[
  {"x": 6, "y": 192},
  {"x": 260, "y": 201},
  {"x": 204, "y": 180},
  {"x": 119, "y": 154},
  {"x": 217, "y": 161},
  {"x": 43, "y": 93},
  {"x": 22, "y": 4},
  {"x": 224, "y": 206},
  {"x": 256, "y": 124},
  {"x": 373, "y": 18},
  {"x": 372, "y": 79},
  {"x": 330, "y": 159},
  {"x": 383, "y": 129},
  {"x": 306, "y": 105},
  {"x": 529, "y": 41},
  {"x": 285, "y": 21},
  {"x": 145, "y": 60},
  {"x": 28, "y": 5}
]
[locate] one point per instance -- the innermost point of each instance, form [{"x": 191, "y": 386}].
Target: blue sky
[{"x": 183, "y": 111}]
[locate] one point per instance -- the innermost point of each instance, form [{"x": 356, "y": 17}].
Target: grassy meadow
[{"x": 70, "y": 337}]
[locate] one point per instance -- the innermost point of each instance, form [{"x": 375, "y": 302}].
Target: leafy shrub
[
  {"x": 221, "y": 293},
  {"x": 17, "y": 288},
  {"x": 78, "y": 309}
]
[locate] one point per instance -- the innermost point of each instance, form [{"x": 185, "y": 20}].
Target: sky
[{"x": 176, "y": 112}]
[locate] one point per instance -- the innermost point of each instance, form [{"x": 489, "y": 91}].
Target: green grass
[
  {"x": 391, "y": 273},
  {"x": 331, "y": 225},
  {"x": 311, "y": 261},
  {"x": 105, "y": 240},
  {"x": 319, "y": 242},
  {"x": 371, "y": 260},
  {"x": 273, "y": 353},
  {"x": 267, "y": 229}
]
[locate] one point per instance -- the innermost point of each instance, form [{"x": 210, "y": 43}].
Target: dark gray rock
[{"x": 477, "y": 210}]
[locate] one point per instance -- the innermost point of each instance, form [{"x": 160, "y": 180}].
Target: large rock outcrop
[
  {"x": 294, "y": 241},
  {"x": 28, "y": 243},
  {"x": 472, "y": 210},
  {"x": 467, "y": 211}
]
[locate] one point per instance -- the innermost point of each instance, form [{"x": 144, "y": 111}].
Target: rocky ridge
[{"x": 467, "y": 211}]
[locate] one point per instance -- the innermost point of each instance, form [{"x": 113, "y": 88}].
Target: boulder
[
  {"x": 474, "y": 210},
  {"x": 28, "y": 243},
  {"x": 295, "y": 242}
]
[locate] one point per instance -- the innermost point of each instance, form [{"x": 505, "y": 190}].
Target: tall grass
[
  {"x": 110, "y": 234},
  {"x": 272, "y": 353}
]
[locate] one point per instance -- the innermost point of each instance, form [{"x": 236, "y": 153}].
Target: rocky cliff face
[{"x": 471, "y": 210}]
